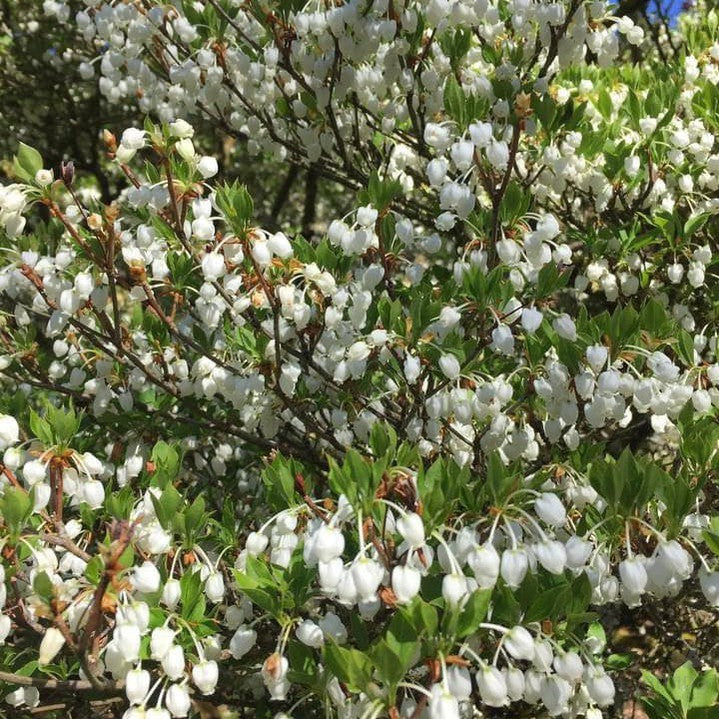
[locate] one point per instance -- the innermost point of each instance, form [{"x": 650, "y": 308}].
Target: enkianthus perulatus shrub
[{"x": 406, "y": 466}]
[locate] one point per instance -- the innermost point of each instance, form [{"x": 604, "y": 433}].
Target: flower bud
[
  {"x": 280, "y": 245},
  {"x": 673, "y": 559},
  {"x": 555, "y": 693},
  {"x": 332, "y": 627},
  {"x": 564, "y": 326},
  {"x": 34, "y": 472},
  {"x": 675, "y": 272},
  {"x": 23, "y": 695},
  {"x": 597, "y": 356},
  {"x": 44, "y": 177},
  {"x": 569, "y": 666},
  {"x": 543, "y": 656},
  {"x": 133, "y": 139},
  {"x": 578, "y": 551},
  {"x": 181, "y": 129},
  {"x": 367, "y": 575},
  {"x": 256, "y": 543},
  {"x": 459, "y": 682},
  {"x": 185, "y": 149},
  {"x": 709, "y": 582},
  {"x": 531, "y": 319},
  {"x": 5, "y": 626},
  {"x": 213, "y": 266},
  {"x": 52, "y": 642},
  {"x": 532, "y": 686},
  {"x": 12, "y": 458},
  {"x": 67, "y": 170},
  {"x": 514, "y": 678},
  {"x": 330, "y": 574},
  {"x": 412, "y": 367},
  {"x": 274, "y": 674}
]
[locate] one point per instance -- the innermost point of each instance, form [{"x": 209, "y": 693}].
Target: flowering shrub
[{"x": 401, "y": 469}]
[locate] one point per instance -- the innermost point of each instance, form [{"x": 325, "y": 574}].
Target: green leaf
[
  {"x": 474, "y": 612},
  {"x": 548, "y": 604},
  {"x": 402, "y": 638},
  {"x": 167, "y": 461},
  {"x": 619, "y": 661},
  {"x": 64, "y": 424},
  {"x": 380, "y": 193},
  {"x": 705, "y": 689},
  {"x": 194, "y": 519},
  {"x": 279, "y": 480},
  {"x": 43, "y": 586},
  {"x": 455, "y": 102},
  {"x": 680, "y": 684},
  {"x": 545, "y": 109},
  {"x": 166, "y": 506},
  {"x": 655, "y": 685},
  {"x": 390, "y": 665},
  {"x": 703, "y": 712},
  {"x": 94, "y": 569},
  {"x": 16, "y": 506},
  {"x": 685, "y": 347},
  {"x": 422, "y": 616},
  {"x": 695, "y": 223},
  {"x": 383, "y": 440},
  {"x": 303, "y": 664},
  {"x": 597, "y": 636},
  {"x": 190, "y": 593},
  {"x": 350, "y": 666},
  {"x": 41, "y": 429},
  {"x": 604, "y": 104},
  {"x": 235, "y": 202},
  {"x": 26, "y": 163}
]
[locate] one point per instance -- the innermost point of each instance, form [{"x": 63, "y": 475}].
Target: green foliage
[{"x": 687, "y": 694}]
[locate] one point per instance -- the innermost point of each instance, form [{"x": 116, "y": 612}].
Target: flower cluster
[{"x": 403, "y": 465}]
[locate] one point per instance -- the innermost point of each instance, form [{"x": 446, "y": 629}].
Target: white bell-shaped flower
[
  {"x": 205, "y": 674},
  {"x": 492, "y": 686}
]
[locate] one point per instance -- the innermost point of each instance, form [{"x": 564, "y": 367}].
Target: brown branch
[{"x": 72, "y": 685}]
